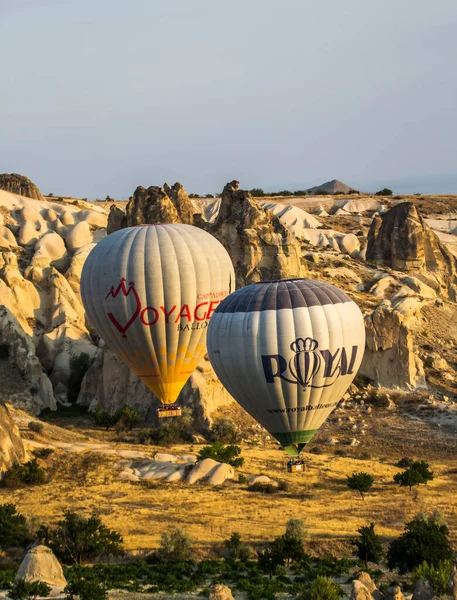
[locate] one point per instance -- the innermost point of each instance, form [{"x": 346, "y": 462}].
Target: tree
[
  {"x": 324, "y": 588},
  {"x": 26, "y": 590},
  {"x": 368, "y": 546},
  {"x": 86, "y": 589},
  {"x": 221, "y": 453},
  {"x": 175, "y": 545},
  {"x": 287, "y": 550},
  {"x": 128, "y": 418},
  {"x": 224, "y": 430},
  {"x": 424, "y": 539},
  {"x": 296, "y": 530},
  {"x": 13, "y": 527},
  {"x": 77, "y": 539},
  {"x": 418, "y": 473},
  {"x": 360, "y": 482},
  {"x": 237, "y": 548},
  {"x": 194, "y": 195},
  {"x": 384, "y": 192},
  {"x": 257, "y": 193},
  {"x": 269, "y": 561}
]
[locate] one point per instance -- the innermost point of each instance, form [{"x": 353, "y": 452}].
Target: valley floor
[{"x": 88, "y": 481}]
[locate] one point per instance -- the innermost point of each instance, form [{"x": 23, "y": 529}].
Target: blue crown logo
[{"x": 304, "y": 345}]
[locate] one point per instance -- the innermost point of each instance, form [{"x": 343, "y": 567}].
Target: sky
[{"x": 100, "y": 96}]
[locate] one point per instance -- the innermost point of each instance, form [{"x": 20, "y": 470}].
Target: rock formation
[
  {"x": 18, "y": 184},
  {"x": 260, "y": 246},
  {"x": 12, "y": 451},
  {"x": 423, "y": 590},
  {"x": 359, "y": 591},
  {"x": 402, "y": 240},
  {"x": 40, "y": 564},
  {"x": 109, "y": 384},
  {"x": 389, "y": 359},
  {"x": 220, "y": 591}
]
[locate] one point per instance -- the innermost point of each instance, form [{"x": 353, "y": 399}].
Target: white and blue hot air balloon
[{"x": 287, "y": 351}]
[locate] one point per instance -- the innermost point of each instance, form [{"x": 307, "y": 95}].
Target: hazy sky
[{"x": 99, "y": 96}]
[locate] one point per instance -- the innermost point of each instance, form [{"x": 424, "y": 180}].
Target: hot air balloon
[
  {"x": 150, "y": 292},
  {"x": 287, "y": 351}
]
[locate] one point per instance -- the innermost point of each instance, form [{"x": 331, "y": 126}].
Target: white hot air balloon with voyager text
[
  {"x": 150, "y": 292},
  {"x": 287, "y": 351}
]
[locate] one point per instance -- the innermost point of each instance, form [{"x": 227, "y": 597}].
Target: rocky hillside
[
  {"x": 18, "y": 184},
  {"x": 379, "y": 250}
]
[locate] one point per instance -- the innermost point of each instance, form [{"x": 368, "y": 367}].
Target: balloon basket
[
  {"x": 169, "y": 411},
  {"x": 296, "y": 467}
]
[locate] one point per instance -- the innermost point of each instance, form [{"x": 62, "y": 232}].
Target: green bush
[
  {"x": 257, "y": 193},
  {"x": 104, "y": 419},
  {"x": 424, "y": 540},
  {"x": 78, "y": 368},
  {"x": 325, "y": 589},
  {"x": 368, "y": 545},
  {"x": 175, "y": 545},
  {"x": 23, "y": 590},
  {"x": 224, "y": 430},
  {"x": 418, "y": 473},
  {"x": 209, "y": 196},
  {"x": 43, "y": 452},
  {"x": 172, "y": 431},
  {"x": 194, "y": 195},
  {"x": 29, "y": 473},
  {"x": 437, "y": 576},
  {"x": 296, "y": 530},
  {"x": 128, "y": 418},
  {"x": 77, "y": 539},
  {"x": 237, "y": 549},
  {"x": 384, "y": 192},
  {"x": 360, "y": 482},
  {"x": 86, "y": 589},
  {"x": 6, "y": 578},
  {"x": 263, "y": 488},
  {"x": 405, "y": 463},
  {"x": 242, "y": 478},
  {"x": 224, "y": 454},
  {"x": 13, "y": 527},
  {"x": 35, "y": 426}
]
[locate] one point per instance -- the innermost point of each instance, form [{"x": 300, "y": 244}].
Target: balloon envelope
[
  {"x": 150, "y": 292},
  {"x": 287, "y": 351}
]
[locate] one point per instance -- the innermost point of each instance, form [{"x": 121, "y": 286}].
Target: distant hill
[{"x": 331, "y": 187}]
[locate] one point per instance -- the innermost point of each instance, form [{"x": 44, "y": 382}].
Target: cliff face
[
  {"x": 20, "y": 185},
  {"x": 260, "y": 246},
  {"x": 400, "y": 239},
  {"x": 12, "y": 451}
]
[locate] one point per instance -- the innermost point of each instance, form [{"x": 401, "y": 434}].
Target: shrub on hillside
[
  {"x": 224, "y": 430},
  {"x": 368, "y": 545},
  {"x": 257, "y": 193},
  {"x": 224, "y": 454},
  {"x": 194, "y": 195},
  {"x": 360, "y": 482},
  {"x": 384, "y": 192},
  {"x": 175, "y": 545},
  {"x": 26, "y": 590},
  {"x": 438, "y": 576},
  {"x": 171, "y": 431},
  {"x": 35, "y": 426},
  {"x": 424, "y": 539},
  {"x": 324, "y": 588},
  {"x": 13, "y": 527},
  {"x": 77, "y": 539},
  {"x": 405, "y": 463},
  {"x": 29, "y": 473},
  {"x": 418, "y": 473},
  {"x": 84, "y": 588},
  {"x": 237, "y": 548},
  {"x": 296, "y": 530},
  {"x": 78, "y": 368},
  {"x": 127, "y": 419}
]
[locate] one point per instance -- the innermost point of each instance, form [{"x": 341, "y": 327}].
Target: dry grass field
[{"x": 88, "y": 482}]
